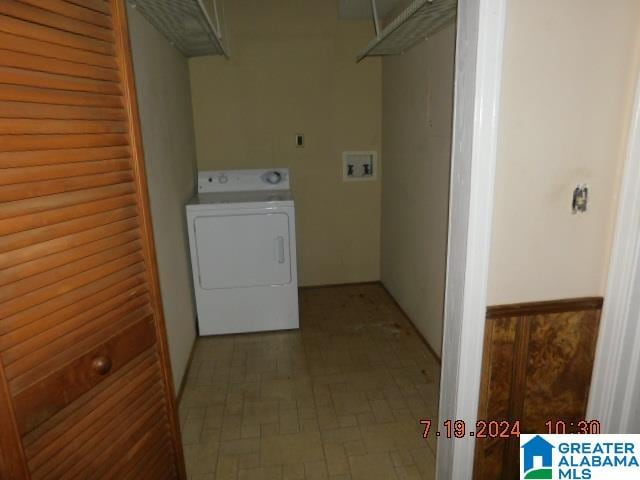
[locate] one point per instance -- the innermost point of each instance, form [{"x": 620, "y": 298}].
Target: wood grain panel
[
  {"x": 65, "y": 337},
  {"x": 115, "y": 199},
  {"x": 81, "y": 291},
  {"x": 32, "y": 367},
  {"x": 70, "y": 10},
  {"x": 71, "y": 462},
  {"x": 119, "y": 438},
  {"x": 30, "y": 337},
  {"x": 139, "y": 415},
  {"x": 25, "y": 126},
  {"x": 501, "y": 339},
  {"x": 141, "y": 457},
  {"x": 16, "y": 143},
  {"x": 24, "y": 110},
  {"x": 497, "y": 378},
  {"x": 51, "y": 463},
  {"x": 20, "y": 281},
  {"x": 23, "y": 302},
  {"x": 102, "y": 422},
  {"x": 125, "y": 229},
  {"x": 53, "y": 36},
  {"x": 51, "y": 157},
  {"x": 58, "y": 97},
  {"x": 42, "y": 400},
  {"x": 558, "y": 368},
  {"x": 31, "y": 14},
  {"x": 126, "y": 458},
  {"x": 32, "y": 46},
  {"x": 38, "y": 63},
  {"x": 66, "y": 424},
  {"x": 51, "y": 459},
  {"x": 85, "y": 381},
  {"x": 97, "y": 5},
  {"x": 31, "y": 174},
  {"x": 14, "y": 460},
  {"x": 163, "y": 470},
  {"x": 144, "y": 461},
  {"x": 55, "y": 81},
  {"x": 44, "y": 234},
  {"x": 38, "y": 272},
  {"x": 537, "y": 367},
  {"x": 11, "y": 193}
]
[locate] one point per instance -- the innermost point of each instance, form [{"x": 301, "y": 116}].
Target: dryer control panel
[{"x": 210, "y": 181}]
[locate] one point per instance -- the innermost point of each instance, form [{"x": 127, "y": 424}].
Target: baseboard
[{"x": 413, "y": 325}]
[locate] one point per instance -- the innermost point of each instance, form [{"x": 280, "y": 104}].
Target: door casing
[{"x": 479, "y": 53}]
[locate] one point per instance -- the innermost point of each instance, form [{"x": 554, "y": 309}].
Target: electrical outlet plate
[
  {"x": 580, "y": 198},
  {"x": 359, "y": 166}
]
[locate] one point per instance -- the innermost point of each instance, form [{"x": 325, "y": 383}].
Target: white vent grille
[
  {"x": 420, "y": 20},
  {"x": 185, "y": 23}
]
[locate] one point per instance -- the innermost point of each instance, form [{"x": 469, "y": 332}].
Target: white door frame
[
  {"x": 480, "y": 41},
  {"x": 615, "y": 388}
]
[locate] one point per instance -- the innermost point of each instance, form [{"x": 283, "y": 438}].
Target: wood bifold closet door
[{"x": 85, "y": 386}]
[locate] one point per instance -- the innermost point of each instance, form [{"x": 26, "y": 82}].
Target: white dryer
[{"x": 242, "y": 238}]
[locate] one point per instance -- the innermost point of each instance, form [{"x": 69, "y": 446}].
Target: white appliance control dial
[
  {"x": 222, "y": 178},
  {"x": 273, "y": 177}
]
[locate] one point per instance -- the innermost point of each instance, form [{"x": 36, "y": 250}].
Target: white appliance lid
[{"x": 260, "y": 196}]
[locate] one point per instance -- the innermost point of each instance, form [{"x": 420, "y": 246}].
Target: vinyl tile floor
[{"x": 339, "y": 399}]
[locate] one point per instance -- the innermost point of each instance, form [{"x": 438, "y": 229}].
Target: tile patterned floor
[{"x": 339, "y": 399}]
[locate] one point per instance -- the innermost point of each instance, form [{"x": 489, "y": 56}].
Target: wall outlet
[
  {"x": 359, "y": 166},
  {"x": 580, "y": 199}
]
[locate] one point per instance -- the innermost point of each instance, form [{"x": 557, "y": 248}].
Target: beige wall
[
  {"x": 162, "y": 80},
  {"x": 568, "y": 82},
  {"x": 417, "y": 119},
  {"x": 292, "y": 70}
]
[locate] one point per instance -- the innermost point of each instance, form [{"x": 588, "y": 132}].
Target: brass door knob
[{"x": 102, "y": 365}]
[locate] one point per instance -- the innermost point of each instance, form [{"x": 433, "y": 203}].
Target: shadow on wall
[
  {"x": 164, "y": 98},
  {"x": 417, "y": 129}
]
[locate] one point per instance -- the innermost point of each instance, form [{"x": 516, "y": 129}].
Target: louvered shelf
[
  {"x": 185, "y": 23},
  {"x": 420, "y": 20}
]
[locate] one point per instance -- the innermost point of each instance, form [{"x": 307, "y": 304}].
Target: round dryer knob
[
  {"x": 223, "y": 178},
  {"x": 273, "y": 177}
]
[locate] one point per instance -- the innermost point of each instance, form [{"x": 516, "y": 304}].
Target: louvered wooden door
[{"x": 85, "y": 387}]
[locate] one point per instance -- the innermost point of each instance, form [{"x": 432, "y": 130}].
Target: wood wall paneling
[
  {"x": 85, "y": 382},
  {"x": 537, "y": 365}
]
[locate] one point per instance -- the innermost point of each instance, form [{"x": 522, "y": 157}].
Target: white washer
[{"x": 242, "y": 238}]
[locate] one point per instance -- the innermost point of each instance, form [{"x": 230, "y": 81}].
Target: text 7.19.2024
[{"x": 482, "y": 429}]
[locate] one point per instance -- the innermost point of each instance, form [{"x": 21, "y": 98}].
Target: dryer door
[{"x": 243, "y": 250}]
